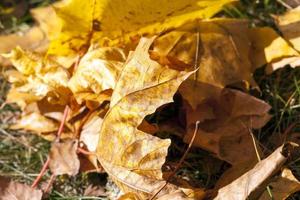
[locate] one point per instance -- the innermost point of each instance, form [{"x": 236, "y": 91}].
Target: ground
[{"x": 23, "y": 154}]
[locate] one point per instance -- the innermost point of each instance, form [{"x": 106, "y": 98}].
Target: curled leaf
[
  {"x": 249, "y": 182},
  {"x": 42, "y": 77}
]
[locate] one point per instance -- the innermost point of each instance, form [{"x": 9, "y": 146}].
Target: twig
[
  {"x": 85, "y": 152},
  {"x": 61, "y": 127},
  {"x": 46, "y": 164},
  {"x": 58, "y": 135},
  {"x": 196, "y": 64},
  {"x": 180, "y": 161},
  {"x": 41, "y": 174},
  {"x": 50, "y": 182},
  {"x": 259, "y": 159}
]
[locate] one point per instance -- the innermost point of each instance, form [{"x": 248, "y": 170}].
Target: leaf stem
[
  {"x": 46, "y": 164},
  {"x": 179, "y": 163},
  {"x": 41, "y": 174},
  {"x": 84, "y": 152}
]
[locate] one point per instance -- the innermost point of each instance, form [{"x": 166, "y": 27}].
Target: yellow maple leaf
[
  {"x": 97, "y": 72},
  {"x": 143, "y": 85},
  {"x": 104, "y": 20},
  {"x": 41, "y": 77}
]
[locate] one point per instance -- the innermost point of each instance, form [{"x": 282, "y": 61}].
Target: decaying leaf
[
  {"x": 227, "y": 51},
  {"x": 225, "y": 120},
  {"x": 217, "y": 46},
  {"x": 222, "y": 52},
  {"x": 63, "y": 158},
  {"x": 116, "y": 20},
  {"x": 282, "y": 186},
  {"x": 10, "y": 190},
  {"x": 247, "y": 184},
  {"x": 41, "y": 77},
  {"x": 97, "y": 72},
  {"x": 135, "y": 165}
]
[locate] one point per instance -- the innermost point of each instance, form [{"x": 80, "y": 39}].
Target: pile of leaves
[{"x": 94, "y": 77}]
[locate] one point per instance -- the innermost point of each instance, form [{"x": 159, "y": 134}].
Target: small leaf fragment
[
  {"x": 10, "y": 190},
  {"x": 63, "y": 158}
]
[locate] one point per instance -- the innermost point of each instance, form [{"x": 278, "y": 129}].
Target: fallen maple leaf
[
  {"x": 42, "y": 77},
  {"x": 105, "y": 20},
  {"x": 131, "y": 157},
  {"x": 246, "y": 185},
  {"x": 63, "y": 158},
  {"x": 227, "y": 51},
  {"x": 225, "y": 120},
  {"x": 97, "y": 72}
]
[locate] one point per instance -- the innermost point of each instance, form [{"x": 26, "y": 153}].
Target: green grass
[
  {"x": 23, "y": 154},
  {"x": 15, "y": 14}
]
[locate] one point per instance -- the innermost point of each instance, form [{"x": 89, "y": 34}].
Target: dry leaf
[
  {"x": 245, "y": 186},
  {"x": 89, "y": 135},
  {"x": 225, "y": 119},
  {"x": 268, "y": 47},
  {"x": 282, "y": 186},
  {"x": 63, "y": 158},
  {"x": 10, "y": 190},
  {"x": 97, "y": 72},
  {"x": 227, "y": 51},
  {"x": 113, "y": 19},
  {"x": 41, "y": 76},
  {"x": 96, "y": 191},
  {"x": 288, "y": 23},
  {"x": 31, "y": 39},
  {"x": 36, "y": 38},
  {"x": 291, "y": 61},
  {"x": 36, "y": 122},
  {"x": 131, "y": 157},
  {"x": 292, "y": 3},
  {"x": 221, "y": 46}
]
